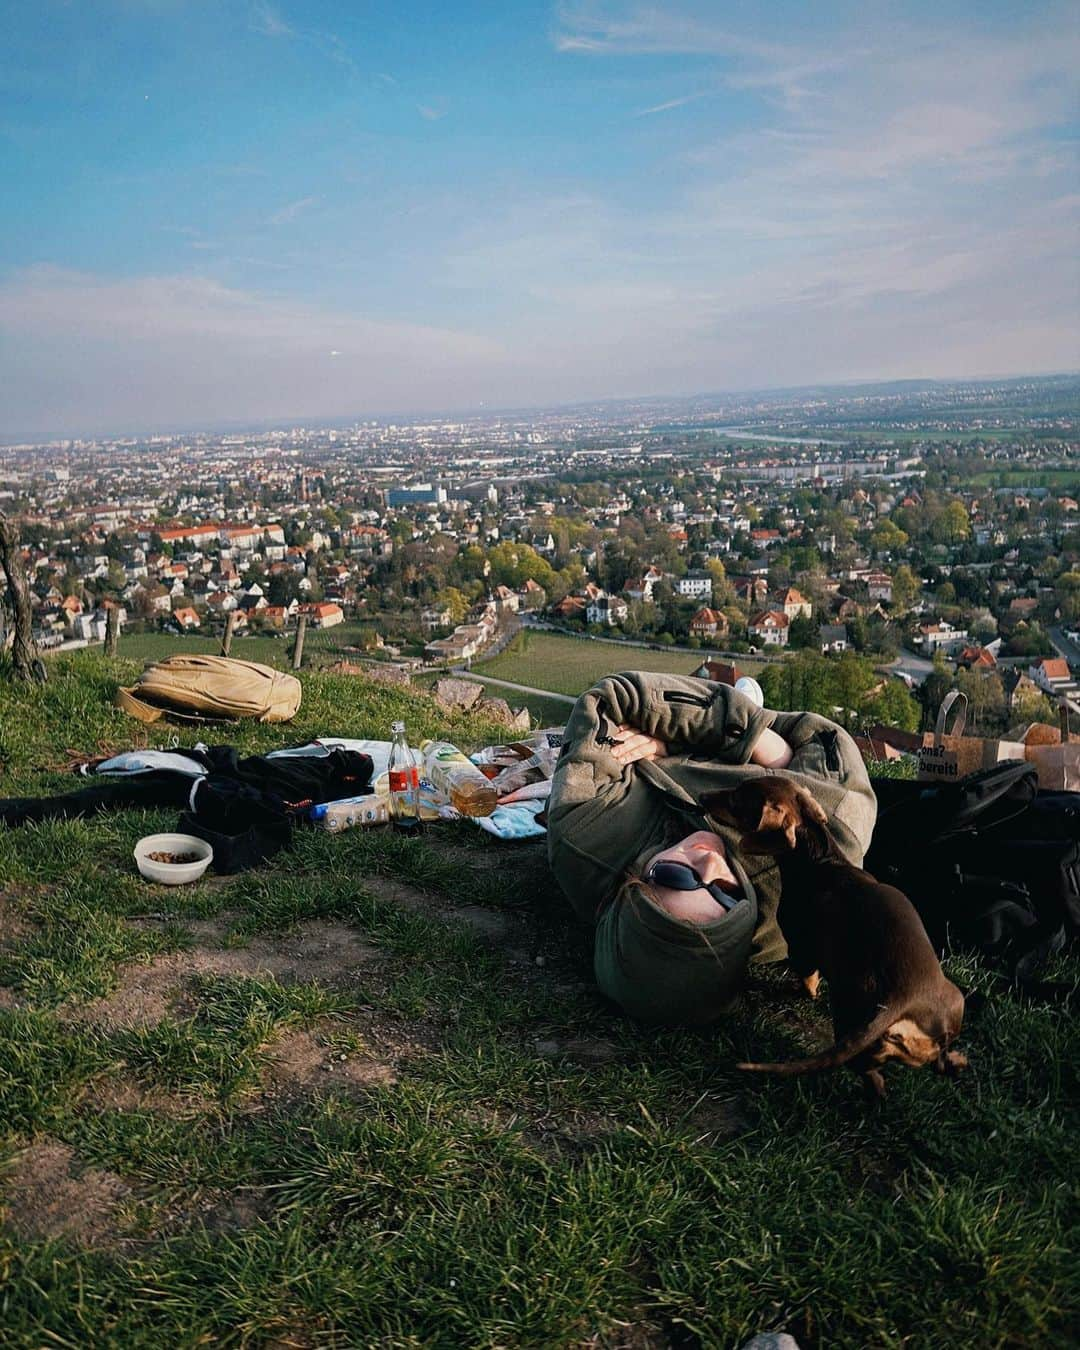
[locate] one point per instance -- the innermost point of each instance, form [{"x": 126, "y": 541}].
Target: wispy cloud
[
  {"x": 290, "y": 211},
  {"x": 266, "y": 20},
  {"x": 671, "y": 103},
  {"x": 431, "y": 112}
]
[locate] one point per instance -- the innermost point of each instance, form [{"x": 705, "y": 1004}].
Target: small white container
[
  {"x": 172, "y": 874},
  {"x": 746, "y": 684}
]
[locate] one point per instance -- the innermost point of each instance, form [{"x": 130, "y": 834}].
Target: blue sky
[{"x": 275, "y": 210}]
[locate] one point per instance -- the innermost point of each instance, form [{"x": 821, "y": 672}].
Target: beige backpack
[{"x": 211, "y": 688}]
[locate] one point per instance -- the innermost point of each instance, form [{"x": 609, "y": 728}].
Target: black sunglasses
[{"x": 679, "y": 876}]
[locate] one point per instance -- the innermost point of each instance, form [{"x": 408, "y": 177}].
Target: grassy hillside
[
  {"x": 368, "y": 1095},
  {"x": 569, "y": 665}
]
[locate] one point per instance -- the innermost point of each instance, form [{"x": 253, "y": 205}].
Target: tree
[
  {"x": 905, "y": 587},
  {"x": 24, "y": 655},
  {"x": 893, "y": 706},
  {"x": 453, "y": 600},
  {"x": 723, "y": 592},
  {"x": 888, "y": 537},
  {"x": 803, "y": 632}
]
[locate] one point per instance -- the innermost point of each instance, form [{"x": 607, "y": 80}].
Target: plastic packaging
[
  {"x": 371, "y": 809},
  {"x": 454, "y": 774},
  {"x": 404, "y": 797}
]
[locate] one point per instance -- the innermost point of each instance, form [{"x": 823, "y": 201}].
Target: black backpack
[{"x": 991, "y": 864}]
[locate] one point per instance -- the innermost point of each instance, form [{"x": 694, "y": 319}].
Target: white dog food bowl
[{"x": 172, "y": 874}]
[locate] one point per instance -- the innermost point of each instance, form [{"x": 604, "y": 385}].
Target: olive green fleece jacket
[{"x": 605, "y": 820}]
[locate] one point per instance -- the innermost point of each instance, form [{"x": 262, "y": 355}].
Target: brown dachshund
[{"x": 888, "y": 996}]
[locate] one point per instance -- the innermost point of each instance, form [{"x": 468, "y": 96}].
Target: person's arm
[{"x": 770, "y": 750}]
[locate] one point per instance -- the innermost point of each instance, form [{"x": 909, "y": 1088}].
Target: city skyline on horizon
[
  {"x": 254, "y": 426},
  {"x": 258, "y": 213}
]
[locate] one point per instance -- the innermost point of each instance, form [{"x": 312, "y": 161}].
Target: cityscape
[{"x": 925, "y": 530}]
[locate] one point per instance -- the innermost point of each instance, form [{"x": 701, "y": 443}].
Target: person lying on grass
[{"x": 678, "y": 914}]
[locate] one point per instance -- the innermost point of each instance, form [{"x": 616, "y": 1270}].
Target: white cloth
[{"x": 142, "y": 761}]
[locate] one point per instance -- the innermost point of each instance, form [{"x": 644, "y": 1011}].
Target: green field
[
  {"x": 368, "y": 1095},
  {"x": 568, "y": 665},
  {"x": 270, "y": 651},
  {"x": 1069, "y": 479}
]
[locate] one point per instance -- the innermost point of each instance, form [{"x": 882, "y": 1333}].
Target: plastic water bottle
[
  {"x": 458, "y": 778},
  {"x": 404, "y": 773}
]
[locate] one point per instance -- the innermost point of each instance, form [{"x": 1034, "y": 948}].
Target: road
[
  {"x": 464, "y": 674},
  {"x": 916, "y": 668},
  {"x": 1064, "y": 646}
]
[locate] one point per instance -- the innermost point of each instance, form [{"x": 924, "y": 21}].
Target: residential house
[
  {"x": 769, "y": 627},
  {"x": 505, "y": 599},
  {"x": 976, "y": 658},
  {"x": 696, "y": 585},
  {"x": 531, "y": 596},
  {"x": 794, "y": 604},
  {"x": 833, "y": 638},
  {"x": 720, "y": 672},
  {"x": 642, "y": 587},
  {"x": 1052, "y": 675},
  {"x": 186, "y": 619},
  {"x": 750, "y": 590},
  {"x": 274, "y": 616},
  {"x": 1023, "y": 607},
  {"x": 431, "y": 620},
  {"x": 572, "y": 607},
  {"x": 605, "y": 609},
  {"x": 709, "y": 623},
  {"x": 324, "y": 615},
  {"x": 879, "y": 586},
  {"x": 941, "y": 634}
]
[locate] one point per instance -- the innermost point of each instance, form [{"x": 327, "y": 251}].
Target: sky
[{"x": 219, "y": 211}]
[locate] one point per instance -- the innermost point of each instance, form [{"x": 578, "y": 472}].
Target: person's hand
[{"x": 633, "y": 746}]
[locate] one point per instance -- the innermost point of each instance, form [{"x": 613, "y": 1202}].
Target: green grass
[
  {"x": 489, "y": 1193},
  {"x": 569, "y": 665},
  {"x": 270, "y": 650},
  {"x": 1068, "y": 479}
]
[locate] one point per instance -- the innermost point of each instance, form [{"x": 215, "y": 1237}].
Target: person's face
[{"x": 706, "y": 854}]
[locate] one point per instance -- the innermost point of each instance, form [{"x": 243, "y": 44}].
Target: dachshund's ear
[
  {"x": 720, "y": 805},
  {"x": 775, "y": 833}
]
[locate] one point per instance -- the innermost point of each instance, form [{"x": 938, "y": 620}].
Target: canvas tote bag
[
  {"x": 1058, "y": 766},
  {"x": 945, "y": 756},
  {"x": 211, "y": 688}
]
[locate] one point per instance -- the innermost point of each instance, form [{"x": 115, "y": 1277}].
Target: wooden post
[
  {"x": 24, "y": 653},
  {"x": 230, "y": 625},
  {"x": 298, "y": 645},
  {"x": 112, "y": 629}
]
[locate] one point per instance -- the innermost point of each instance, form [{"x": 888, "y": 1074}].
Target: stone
[
  {"x": 454, "y": 695},
  {"x": 499, "y": 711},
  {"x": 387, "y": 674},
  {"x": 772, "y": 1340}
]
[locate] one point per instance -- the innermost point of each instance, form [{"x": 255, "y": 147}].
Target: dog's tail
[{"x": 847, "y": 1048}]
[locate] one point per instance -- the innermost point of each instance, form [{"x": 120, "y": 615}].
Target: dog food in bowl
[{"x": 172, "y": 859}]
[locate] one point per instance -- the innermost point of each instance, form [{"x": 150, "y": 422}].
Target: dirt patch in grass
[
  {"x": 588, "y": 1054},
  {"x": 324, "y": 951},
  {"x": 712, "y": 1121},
  {"x": 14, "y": 925},
  {"x": 47, "y": 1195},
  {"x": 128, "y": 1094},
  {"x": 300, "y": 1063}
]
